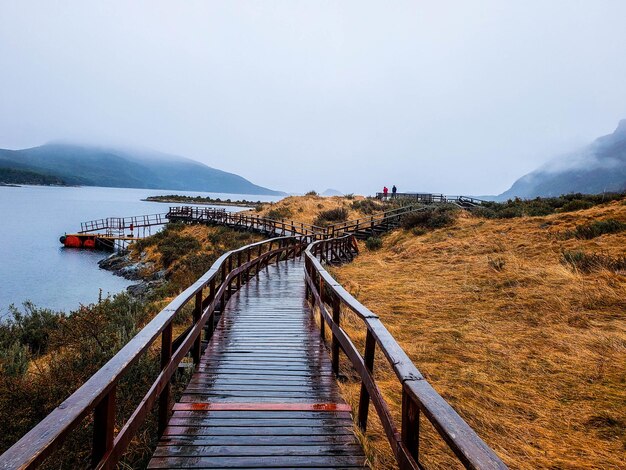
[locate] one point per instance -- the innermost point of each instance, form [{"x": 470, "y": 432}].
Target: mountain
[
  {"x": 597, "y": 168},
  {"x": 332, "y": 192},
  {"x": 125, "y": 168}
]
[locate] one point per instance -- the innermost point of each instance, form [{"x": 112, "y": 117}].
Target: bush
[
  {"x": 576, "y": 205},
  {"x": 430, "y": 218},
  {"x": 175, "y": 247},
  {"x": 14, "y": 360},
  {"x": 595, "y": 229},
  {"x": 279, "y": 213},
  {"x": 311, "y": 193},
  {"x": 587, "y": 263},
  {"x": 367, "y": 206},
  {"x": 373, "y": 243},
  {"x": 191, "y": 267},
  {"x": 349, "y": 196},
  {"x": 331, "y": 216},
  {"x": 31, "y": 328}
]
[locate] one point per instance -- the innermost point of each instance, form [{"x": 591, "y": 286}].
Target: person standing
[
  {"x": 385, "y": 192},
  {"x": 394, "y": 190}
]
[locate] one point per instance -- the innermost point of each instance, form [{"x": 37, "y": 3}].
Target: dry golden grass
[
  {"x": 307, "y": 208},
  {"x": 530, "y": 353}
]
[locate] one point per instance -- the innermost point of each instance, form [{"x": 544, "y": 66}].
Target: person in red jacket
[{"x": 385, "y": 192}]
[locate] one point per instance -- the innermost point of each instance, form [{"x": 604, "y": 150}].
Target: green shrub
[
  {"x": 595, "y": 229},
  {"x": 543, "y": 206},
  {"x": 373, "y": 243},
  {"x": 349, "y": 196},
  {"x": 311, "y": 193},
  {"x": 331, "y": 216},
  {"x": 31, "y": 328},
  {"x": 430, "y": 218},
  {"x": 14, "y": 360},
  {"x": 169, "y": 230},
  {"x": 279, "y": 213},
  {"x": 368, "y": 206},
  {"x": 175, "y": 247},
  {"x": 576, "y": 205}
]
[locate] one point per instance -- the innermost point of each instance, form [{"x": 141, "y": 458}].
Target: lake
[{"x": 35, "y": 266}]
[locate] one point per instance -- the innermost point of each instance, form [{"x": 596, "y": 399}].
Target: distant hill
[
  {"x": 123, "y": 168},
  {"x": 599, "y": 167},
  {"x": 332, "y": 192}
]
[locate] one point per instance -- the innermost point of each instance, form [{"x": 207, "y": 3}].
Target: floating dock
[{"x": 94, "y": 241}]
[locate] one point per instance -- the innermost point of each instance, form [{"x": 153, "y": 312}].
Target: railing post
[
  {"x": 307, "y": 289},
  {"x": 164, "y": 398},
  {"x": 410, "y": 424},
  {"x": 239, "y": 273},
  {"x": 334, "y": 341},
  {"x": 322, "y": 320},
  {"x": 103, "y": 426},
  {"x": 211, "y": 321},
  {"x": 249, "y": 258},
  {"x": 228, "y": 285},
  {"x": 364, "y": 399},
  {"x": 197, "y": 313}
]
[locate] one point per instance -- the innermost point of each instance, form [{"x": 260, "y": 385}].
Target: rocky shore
[{"x": 122, "y": 264}]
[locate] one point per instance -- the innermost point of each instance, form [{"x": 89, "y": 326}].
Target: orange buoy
[
  {"x": 72, "y": 241},
  {"x": 89, "y": 243}
]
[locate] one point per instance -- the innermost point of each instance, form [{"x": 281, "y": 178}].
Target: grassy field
[{"x": 529, "y": 350}]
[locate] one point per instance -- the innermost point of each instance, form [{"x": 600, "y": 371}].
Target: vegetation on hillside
[
  {"x": 520, "y": 329},
  {"x": 45, "y": 356},
  {"x": 311, "y": 208},
  {"x": 542, "y": 206},
  {"x": 17, "y": 176}
]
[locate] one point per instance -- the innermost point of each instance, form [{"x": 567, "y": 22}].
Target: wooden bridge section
[{"x": 263, "y": 395}]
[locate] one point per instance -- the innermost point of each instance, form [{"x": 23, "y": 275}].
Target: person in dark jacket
[{"x": 394, "y": 190}]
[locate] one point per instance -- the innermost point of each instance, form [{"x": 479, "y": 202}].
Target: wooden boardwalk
[{"x": 264, "y": 395}]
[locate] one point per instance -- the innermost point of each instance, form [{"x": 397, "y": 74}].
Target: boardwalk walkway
[{"x": 264, "y": 395}]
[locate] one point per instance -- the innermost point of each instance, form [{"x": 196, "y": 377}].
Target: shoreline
[{"x": 202, "y": 201}]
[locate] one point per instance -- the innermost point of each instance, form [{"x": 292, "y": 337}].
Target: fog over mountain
[
  {"x": 597, "y": 168},
  {"x": 81, "y": 164}
]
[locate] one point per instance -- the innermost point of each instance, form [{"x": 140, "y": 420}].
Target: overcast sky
[{"x": 441, "y": 96}]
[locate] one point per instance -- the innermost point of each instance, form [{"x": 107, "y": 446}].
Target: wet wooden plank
[{"x": 259, "y": 462}]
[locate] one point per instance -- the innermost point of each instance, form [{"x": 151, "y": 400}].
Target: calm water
[{"x": 33, "y": 264}]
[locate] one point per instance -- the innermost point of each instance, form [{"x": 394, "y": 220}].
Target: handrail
[
  {"x": 238, "y": 219},
  {"x": 97, "y": 395},
  {"x": 342, "y": 228},
  {"x": 417, "y": 394}
]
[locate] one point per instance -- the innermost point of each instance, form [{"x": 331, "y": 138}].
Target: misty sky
[{"x": 447, "y": 96}]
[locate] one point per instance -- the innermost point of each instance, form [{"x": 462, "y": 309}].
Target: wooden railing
[
  {"x": 111, "y": 224},
  {"x": 97, "y": 396},
  {"x": 428, "y": 198},
  {"x": 371, "y": 222},
  {"x": 418, "y": 396},
  {"x": 248, "y": 221}
]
